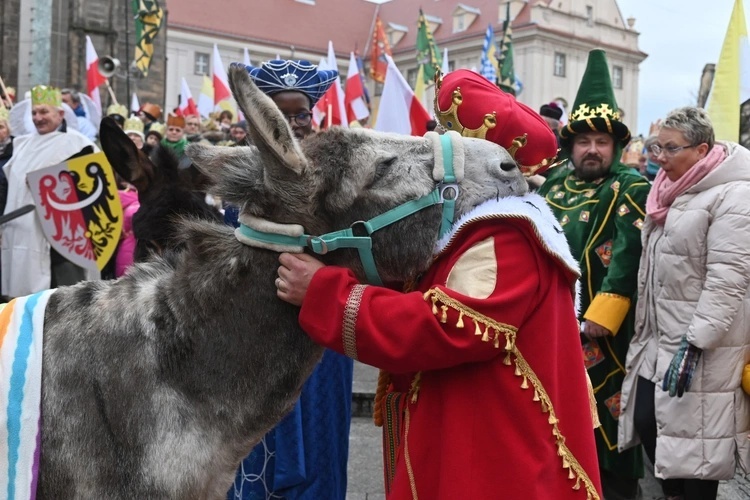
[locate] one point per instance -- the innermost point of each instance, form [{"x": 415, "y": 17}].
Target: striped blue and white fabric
[
  {"x": 21, "y": 337},
  {"x": 489, "y": 56}
]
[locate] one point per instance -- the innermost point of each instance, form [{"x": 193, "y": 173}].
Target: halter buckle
[{"x": 317, "y": 241}]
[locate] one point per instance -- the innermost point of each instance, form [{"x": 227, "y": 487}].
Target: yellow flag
[
  {"x": 727, "y": 93},
  {"x": 420, "y": 87}
]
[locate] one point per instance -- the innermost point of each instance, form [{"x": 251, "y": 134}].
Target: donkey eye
[{"x": 383, "y": 167}]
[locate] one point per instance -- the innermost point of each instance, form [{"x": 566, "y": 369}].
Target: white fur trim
[
  {"x": 530, "y": 207},
  {"x": 438, "y": 169},
  {"x": 267, "y": 226}
]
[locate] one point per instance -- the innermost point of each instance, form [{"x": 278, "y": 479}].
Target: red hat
[{"x": 474, "y": 107}]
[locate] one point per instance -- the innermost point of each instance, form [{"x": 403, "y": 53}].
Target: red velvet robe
[{"x": 489, "y": 397}]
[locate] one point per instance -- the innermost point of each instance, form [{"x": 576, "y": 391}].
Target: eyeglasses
[
  {"x": 668, "y": 151},
  {"x": 302, "y": 119}
]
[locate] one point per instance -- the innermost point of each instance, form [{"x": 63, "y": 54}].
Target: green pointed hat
[{"x": 595, "y": 108}]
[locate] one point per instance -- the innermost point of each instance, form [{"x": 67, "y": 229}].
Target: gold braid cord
[{"x": 491, "y": 331}]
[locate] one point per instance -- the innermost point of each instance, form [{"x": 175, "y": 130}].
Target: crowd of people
[{"x": 647, "y": 357}]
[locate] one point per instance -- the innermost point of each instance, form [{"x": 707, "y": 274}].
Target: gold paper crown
[
  {"x": 4, "y": 113},
  {"x": 42, "y": 94},
  {"x": 134, "y": 125},
  {"x": 117, "y": 109},
  {"x": 159, "y": 128}
]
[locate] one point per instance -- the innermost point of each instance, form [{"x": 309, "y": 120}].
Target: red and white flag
[
  {"x": 354, "y": 96},
  {"x": 187, "y": 105},
  {"x": 332, "y": 103},
  {"x": 93, "y": 77},
  {"x": 400, "y": 111},
  {"x": 221, "y": 83}
]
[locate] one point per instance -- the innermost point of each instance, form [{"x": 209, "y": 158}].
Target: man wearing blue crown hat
[
  {"x": 305, "y": 456},
  {"x": 29, "y": 264},
  {"x": 600, "y": 203}
]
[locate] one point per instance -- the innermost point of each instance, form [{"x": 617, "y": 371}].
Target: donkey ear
[
  {"x": 128, "y": 161},
  {"x": 266, "y": 124}
]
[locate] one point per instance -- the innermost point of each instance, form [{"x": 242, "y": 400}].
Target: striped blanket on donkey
[{"x": 21, "y": 325}]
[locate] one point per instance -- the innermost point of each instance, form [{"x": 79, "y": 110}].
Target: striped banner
[{"x": 21, "y": 325}]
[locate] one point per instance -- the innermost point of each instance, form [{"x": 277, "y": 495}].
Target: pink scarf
[{"x": 664, "y": 191}]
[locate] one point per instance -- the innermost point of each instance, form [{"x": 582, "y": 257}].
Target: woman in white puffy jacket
[{"x": 682, "y": 396}]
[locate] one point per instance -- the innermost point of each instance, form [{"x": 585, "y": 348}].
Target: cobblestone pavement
[{"x": 366, "y": 460}]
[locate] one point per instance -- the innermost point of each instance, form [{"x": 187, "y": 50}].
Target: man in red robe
[{"x": 486, "y": 394}]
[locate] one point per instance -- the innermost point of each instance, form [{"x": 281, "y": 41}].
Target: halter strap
[{"x": 345, "y": 238}]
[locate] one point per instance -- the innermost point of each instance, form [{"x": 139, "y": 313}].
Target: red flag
[
  {"x": 93, "y": 77},
  {"x": 332, "y": 103},
  {"x": 187, "y": 105},
  {"x": 221, "y": 83},
  {"x": 380, "y": 48},
  {"x": 354, "y": 95}
]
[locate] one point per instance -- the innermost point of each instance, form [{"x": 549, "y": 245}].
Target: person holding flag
[{"x": 305, "y": 456}]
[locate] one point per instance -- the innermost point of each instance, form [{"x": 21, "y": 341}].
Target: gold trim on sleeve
[
  {"x": 608, "y": 310},
  {"x": 351, "y": 310}
]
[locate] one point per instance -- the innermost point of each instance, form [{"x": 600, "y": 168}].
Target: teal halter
[{"x": 345, "y": 238}]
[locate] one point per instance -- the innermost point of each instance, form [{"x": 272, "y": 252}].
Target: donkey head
[
  {"x": 335, "y": 178},
  {"x": 162, "y": 192}
]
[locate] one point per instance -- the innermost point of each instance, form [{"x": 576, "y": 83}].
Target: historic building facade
[{"x": 551, "y": 39}]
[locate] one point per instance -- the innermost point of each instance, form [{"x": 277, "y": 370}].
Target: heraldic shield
[{"x": 79, "y": 208}]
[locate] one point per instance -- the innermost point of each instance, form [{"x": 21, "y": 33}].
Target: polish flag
[
  {"x": 319, "y": 111},
  {"x": 354, "y": 97},
  {"x": 221, "y": 83},
  {"x": 187, "y": 105},
  {"x": 332, "y": 102},
  {"x": 93, "y": 77},
  {"x": 246, "y": 57},
  {"x": 400, "y": 111}
]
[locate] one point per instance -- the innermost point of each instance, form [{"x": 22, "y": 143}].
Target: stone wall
[{"x": 9, "y": 34}]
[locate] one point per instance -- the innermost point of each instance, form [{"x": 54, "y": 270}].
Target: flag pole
[
  {"x": 5, "y": 92},
  {"x": 329, "y": 115},
  {"x": 372, "y": 30}
]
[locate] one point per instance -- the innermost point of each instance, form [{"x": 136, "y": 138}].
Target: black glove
[{"x": 681, "y": 369}]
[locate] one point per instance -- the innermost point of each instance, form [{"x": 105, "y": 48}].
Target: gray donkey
[{"x": 158, "y": 384}]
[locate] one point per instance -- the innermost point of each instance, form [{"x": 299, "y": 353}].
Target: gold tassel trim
[
  {"x": 415, "y": 385},
  {"x": 485, "y": 327}
]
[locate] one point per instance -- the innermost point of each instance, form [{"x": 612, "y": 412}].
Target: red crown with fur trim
[{"x": 472, "y": 106}]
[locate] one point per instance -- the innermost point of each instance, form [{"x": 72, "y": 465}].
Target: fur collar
[{"x": 533, "y": 209}]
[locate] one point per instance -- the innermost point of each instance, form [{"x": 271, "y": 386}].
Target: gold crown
[
  {"x": 449, "y": 118},
  {"x": 159, "y": 128},
  {"x": 117, "y": 109},
  {"x": 42, "y": 94},
  {"x": 134, "y": 125},
  {"x": 585, "y": 112},
  {"x": 4, "y": 113}
]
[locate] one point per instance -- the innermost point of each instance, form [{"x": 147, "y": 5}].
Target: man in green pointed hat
[{"x": 600, "y": 204}]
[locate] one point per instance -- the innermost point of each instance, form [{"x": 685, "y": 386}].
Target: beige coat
[{"x": 694, "y": 279}]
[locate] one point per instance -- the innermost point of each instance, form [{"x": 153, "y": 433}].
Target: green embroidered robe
[{"x": 602, "y": 221}]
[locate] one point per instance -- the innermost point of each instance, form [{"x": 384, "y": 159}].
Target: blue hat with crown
[{"x": 280, "y": 75}]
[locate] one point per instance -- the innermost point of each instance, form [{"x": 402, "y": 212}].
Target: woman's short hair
[{"x": 693, "y": 123}]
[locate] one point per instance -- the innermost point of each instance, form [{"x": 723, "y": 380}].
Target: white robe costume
[{"x": 26, "y": 266}]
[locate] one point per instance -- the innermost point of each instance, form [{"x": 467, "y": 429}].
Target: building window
[
  {"x": 460, "y": 23},
  {"x": 617, "y": 77},
  {"x": 590, "y": 15},
  {"x": 201, "y": 63},
  {"x": 559, "y": 64}
]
